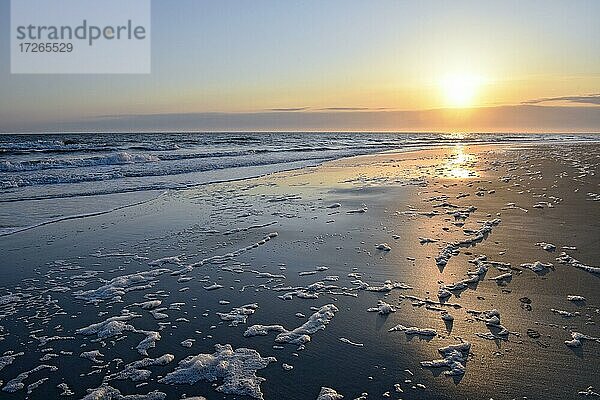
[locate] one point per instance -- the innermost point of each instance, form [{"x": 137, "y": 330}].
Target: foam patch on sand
[
  {"x": 137, "y": 370},
  {"x": 245, "y": 229},
  {"x": 300, "y": 335},
  {"x": 214, "y": 286},
  {"x": 148, "y": 343},
  {"x": 263, "y": 330},
  {"x": 538, "y": 267},
  {"x": 237, "y": 368},
  {"x": 17, "y": 384},
  {"x": 93, "y": 356},
  {"x": 175, "y": 260},
  {"x": 589, "y": 392},
  {"x": 383, "y": 247},
  {"x": 116, "y": 326},
  {"x": 452, "y": 249},
  {"x": 6, "y": 360},
  {"x": 431, "y": 304},
  {"x": 311, "y": 291},
  {"x": 110, "y": 327},
  {"x": 188, "y": 342},
  {"x": 238, "y": 315},
  {"x": 474, "y": 277},
  {"x": 35, "y": 385},
  {"x": 350, "y": 342},
  {"x": 316, "y": 322},
  {"x": 107, "y": 392},
  {"x": 149, "y": 305},
  {"x": 382, "y": 308},
  {"x": 387, "y": 286},
  {"x": 413, "y": 330},
  {"x": 564, "y": 314},
  {"x": 329, "y": 394},
  {"x": 221, "y": 259},
  {"x": 119, "y": 286},
  {"x": 577, "y": 338},
  {"x": 566, "y": 259},
  {"x": 546, "y": 246},
  {"x": 10, "y": 303},
  {"x": 455, "y": 358},
  {"x": 66, "y": 390},
  {"x": 507, "y": 276},
  {"x": 492, "y": 319},
  {"x": 159, "y": 314},
  {"x": 446, "y": 253}
]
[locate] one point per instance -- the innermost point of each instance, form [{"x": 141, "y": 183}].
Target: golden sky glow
[
  {"x": 461, "y": 89},
  {"x": 340, "y": 56}
]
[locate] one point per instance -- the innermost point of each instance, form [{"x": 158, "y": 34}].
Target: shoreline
[
  {"x": 408, "y": 149},
  {"x": 355, "y": 241}
]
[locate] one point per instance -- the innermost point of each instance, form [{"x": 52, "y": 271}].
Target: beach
[{"x": 456, "y": 271}]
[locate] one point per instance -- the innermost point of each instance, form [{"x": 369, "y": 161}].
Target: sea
[{"x": 49, "y": 177}]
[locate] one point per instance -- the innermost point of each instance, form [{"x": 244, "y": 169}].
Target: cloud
[
  {"x": 352, "y": 109},
  {"x": 295, "y": 109},
  {"x": 289, "y": 109},
  {"x": 520, "y": 118},
  {"x": 587, "y": 99}
]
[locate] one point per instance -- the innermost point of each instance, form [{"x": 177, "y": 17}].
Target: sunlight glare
[
  {"x": 460, "y": 165},
  {"x": 460, "y": 90}
]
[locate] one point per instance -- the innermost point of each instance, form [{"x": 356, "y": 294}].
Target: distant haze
[{"x": 493, "y": 119}]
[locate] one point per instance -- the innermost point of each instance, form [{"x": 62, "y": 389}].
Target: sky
[{"x": 347, "y": 65}]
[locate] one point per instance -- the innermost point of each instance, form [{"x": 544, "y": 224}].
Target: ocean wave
[
  {"x": 161, "y": 159},
  {"x": 123, "y": 157},
  {"x": 149, "y": 167},
  {"x": 118, "y": 158}
]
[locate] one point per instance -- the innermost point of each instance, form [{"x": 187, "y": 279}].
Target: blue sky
[{"x": 252, "y": 56}]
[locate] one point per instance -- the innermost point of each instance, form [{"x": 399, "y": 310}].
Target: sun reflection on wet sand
[{"x": 460, "y": 164}]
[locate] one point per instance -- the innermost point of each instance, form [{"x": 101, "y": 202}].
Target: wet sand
[{"x": 343, "y": 229}]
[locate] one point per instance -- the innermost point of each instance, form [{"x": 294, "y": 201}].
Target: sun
[{"x": 460, "y": 90}]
